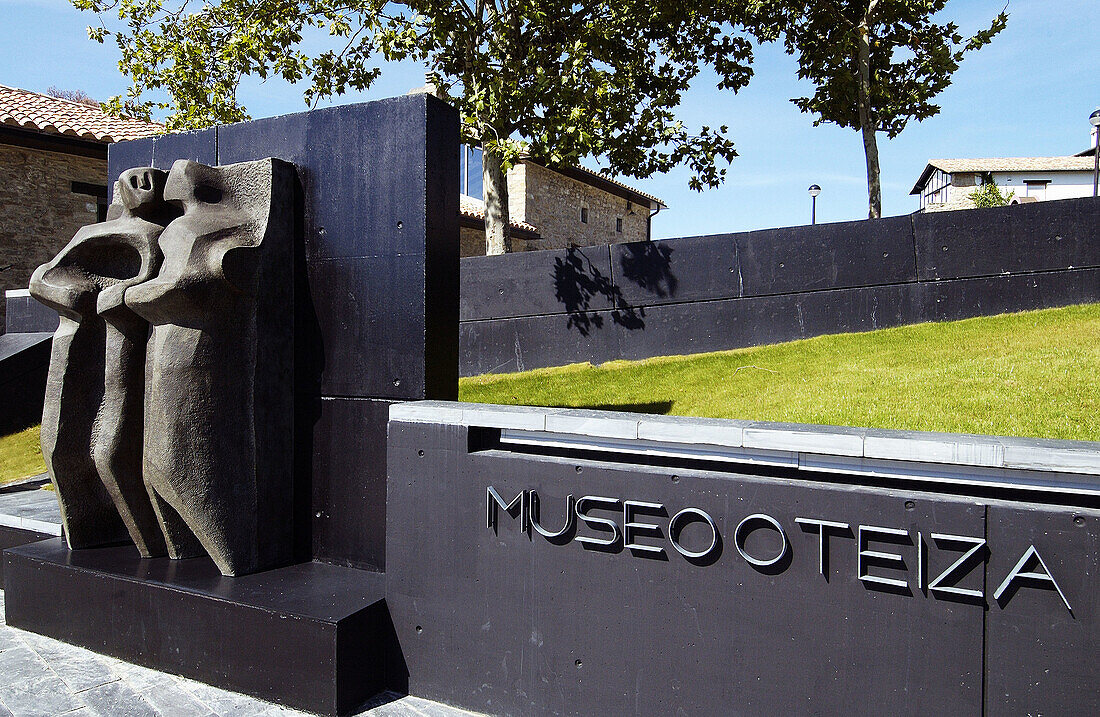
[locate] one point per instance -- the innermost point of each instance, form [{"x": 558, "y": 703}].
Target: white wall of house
[
  {"x": 1043, "y": 186},
  {"x": 1060, "y": 185}
]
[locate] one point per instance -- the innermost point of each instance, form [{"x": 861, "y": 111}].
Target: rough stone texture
[
  {"x": 117, "y": 449},
  {"x": 93, "y": 391},
  {"x": 472, "y": 242},
  {"x": 552, "y": 202},
  {"x": 41, "y": 212},
  {"x": 219, "y": 399}
]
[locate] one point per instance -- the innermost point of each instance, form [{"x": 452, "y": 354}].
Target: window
[
  {"x": 584, "y": 215},
  {"x": 97, "y": 191},
  {"x": 1036, "y": 188},
  {"x": 470, "y": 179},
  {"x": 619, "y": 225}
]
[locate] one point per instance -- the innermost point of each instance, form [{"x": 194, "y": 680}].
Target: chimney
[{"x": 429, "y": 88}]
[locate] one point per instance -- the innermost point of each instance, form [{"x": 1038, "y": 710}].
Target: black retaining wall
[
  {"x": 960, "y": 585},
  {"x": 724, "y": 291}
]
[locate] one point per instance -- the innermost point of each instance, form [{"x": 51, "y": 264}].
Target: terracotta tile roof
[
  {"x": 42, "y": 113},
  {"x": 627, "y": 187},
  {"x": 583, "y": 174},
  {"x": 475, "y": 209},
  {"x": 1004, "y": 164}
]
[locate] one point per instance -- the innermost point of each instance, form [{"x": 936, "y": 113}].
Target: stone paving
[
  {"x": 41, "y": 677},
  {"x": 29, "y": 507}
]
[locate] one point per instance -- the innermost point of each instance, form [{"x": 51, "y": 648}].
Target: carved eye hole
[
  {"x": 146, "y": 181},
  {"x": 208, "y": 193}
]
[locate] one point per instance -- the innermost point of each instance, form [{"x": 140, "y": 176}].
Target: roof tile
[
  {"x": 475, "y": 208},
  {"x": 42, "y": 113},
  {"x": 1014, "y": 164}
]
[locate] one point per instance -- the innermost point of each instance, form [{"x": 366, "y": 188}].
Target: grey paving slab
[
  {"x": 116, "y": 699},
  {"x": 151, "y": 682},
  {"x": 602, "y": 424},
  {"x": 521, "y": 417},
  {"x": 80, "y": 669},
  {"x": 225, "y": 703},
  {"x": 31, "y": 508},
  {"x": 9, "y": 640},
  {"x": 31, "y": 688}
]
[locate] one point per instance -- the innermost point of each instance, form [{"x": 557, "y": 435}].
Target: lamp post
[
  {"x": 814, "y": 190},
  {"x": 1094, "y": 120}
]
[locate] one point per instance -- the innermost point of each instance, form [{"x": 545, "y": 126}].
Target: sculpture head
[
  {"x": 107, "y": 257},
  {"x": 211, "y": 252}
]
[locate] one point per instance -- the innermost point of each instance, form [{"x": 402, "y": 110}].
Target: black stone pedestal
[{"x": 311, "y": 636}]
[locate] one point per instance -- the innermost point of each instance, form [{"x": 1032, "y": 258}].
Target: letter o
[
  {"x": 740, "y": 533},
  {"x": 673, "y": 532}
]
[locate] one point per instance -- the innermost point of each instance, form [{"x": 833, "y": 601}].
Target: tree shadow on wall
[
  {"x": 578, "y": 282},
  {"x": 649, "y": 265}
]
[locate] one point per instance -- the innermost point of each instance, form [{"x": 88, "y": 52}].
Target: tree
[
  {"x": 561, "y": 80},
  {"x": 72, "y": 95},
  {"x": 989, "y": 194},
  {"x": 876, "y": 64}
]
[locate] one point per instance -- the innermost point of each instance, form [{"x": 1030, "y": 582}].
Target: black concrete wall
[
  {"x": 24, "y": 364},
  {"x": 709, "y": 293},
  {"x": 377, "y": 320},
  {"x": 25, "y": 315},
  {"x": 496, "y": 618}
]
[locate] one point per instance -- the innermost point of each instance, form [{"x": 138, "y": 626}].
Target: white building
[{"x": 947, "y": 183}]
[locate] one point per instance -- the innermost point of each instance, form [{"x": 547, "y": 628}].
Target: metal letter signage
[{"x": 1030, "y": 570}]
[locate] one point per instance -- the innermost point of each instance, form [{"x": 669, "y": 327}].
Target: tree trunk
[
  {"x": 870, "y": 144},
  {"x": 498, "y": 238}
]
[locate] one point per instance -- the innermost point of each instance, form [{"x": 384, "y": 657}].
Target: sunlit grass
[
  {"x": 1029, "y": 374},
  {"x": 20, "y": 456}
]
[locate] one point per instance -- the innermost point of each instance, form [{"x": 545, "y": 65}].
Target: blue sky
[{"x": 1027, "y": 94}]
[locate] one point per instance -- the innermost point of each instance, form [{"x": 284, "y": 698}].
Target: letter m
[{"x": 517, "y": 507}]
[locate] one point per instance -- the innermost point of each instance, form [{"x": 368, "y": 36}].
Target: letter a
[{"x": 1019, "y": 572}]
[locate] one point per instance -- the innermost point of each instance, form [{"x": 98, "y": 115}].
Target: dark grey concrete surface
[
  {"x": 24, "y": 366},
  {"x": 376, "y": 311},
  {"x": 710, "y": 293},
  {"x": 24, "y": 314},
  {"x": 43, "y": 676},
  {"x": 950, "y": 575}
]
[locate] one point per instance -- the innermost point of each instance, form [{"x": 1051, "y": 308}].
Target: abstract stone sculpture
[
  {"x": 219, "y": 404},
  {"x": 93, "y": 407}
]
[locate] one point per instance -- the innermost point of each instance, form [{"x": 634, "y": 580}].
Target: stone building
[
  {"x": 554, "y": 208},
  {"x": 53, "y": 176}
]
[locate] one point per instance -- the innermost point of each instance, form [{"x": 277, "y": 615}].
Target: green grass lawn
[
  {"x": 20, "y": 456},
  {"x": 1029, "y": 374}
]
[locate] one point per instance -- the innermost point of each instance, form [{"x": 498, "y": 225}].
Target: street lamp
[
  {"x": 815, "y": 190},
  {"x": 1094, "y": 120}
]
